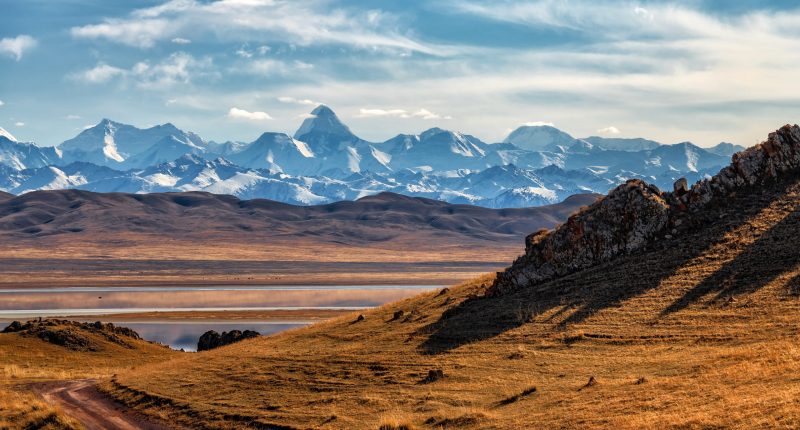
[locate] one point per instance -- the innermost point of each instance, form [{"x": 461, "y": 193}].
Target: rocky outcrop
[
  {"x": 72, "y": 334},
  {"x": 634, "y": 214},
  {"x": 211, "y": 339}
]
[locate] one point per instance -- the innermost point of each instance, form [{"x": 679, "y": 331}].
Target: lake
[{"x": 94, "y": 302}]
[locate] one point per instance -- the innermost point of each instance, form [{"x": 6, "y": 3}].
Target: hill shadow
[
  {"x": 585, "y": 293},
  {"x": 772, "y": 254}
]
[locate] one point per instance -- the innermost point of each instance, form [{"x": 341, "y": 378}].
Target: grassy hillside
[
  {"x": 60, "y": 350},
  {"x": 22, "y": 410},
  {"x": 695, "y": 331}
]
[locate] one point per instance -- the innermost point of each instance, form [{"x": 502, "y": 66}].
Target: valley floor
[
  {"x": 699, "y": 331},
  {"x": 145, "y": 261},
  {"x": 695, "y": 331}
]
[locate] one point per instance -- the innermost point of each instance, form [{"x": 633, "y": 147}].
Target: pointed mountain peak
[
  {"x": 323, "y": 110},
  {"x": 433, "y": 131},
  {"x": 324, "y": 125},
  {"x": 7, "y": 135}
]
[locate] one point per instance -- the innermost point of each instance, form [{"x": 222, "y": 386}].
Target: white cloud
[
  {"x": 292, "y": 100},
  {"x": 426, "y": 114},
  {"x": 398, "y": 113},
  {"x": 301, "y": 23},
  {"x": 19, "y": 124},
  {"x": 178, "y": 68},
  {"x": 236, "y": 113},
  {"x": 269, "y": 66},
  {"x": 369, "y": 113},
  {"x": 99, "y": 74},
  {"x": 243, "y": 52},
  {"x": 181, "y": 41},
  {"x": 2, "y": 103},
  {"x": 539, "y": 124},
  {"x": 609, "y": 130},
  {"x": 142, "y": 33},
  {"x": 306, "y": 116},
  {"x": 72, "y": 117},
  {"x": 15, "y": 47}
]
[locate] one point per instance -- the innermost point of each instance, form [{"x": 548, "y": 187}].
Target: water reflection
[
  {"x": 77, "y": 301},
  {"x": 185, "y": 335},
  {"x": 47, "y": 302}
]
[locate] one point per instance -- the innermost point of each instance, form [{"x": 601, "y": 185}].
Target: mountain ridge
[
  {"x": 635, "y": 214},
  {"x": 373, "y": 218},
  {"x": 326, "y": 162}
]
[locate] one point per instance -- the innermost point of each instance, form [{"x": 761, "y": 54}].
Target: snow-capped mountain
[
  {"x": 540, "y": 138},
  {"x": 622, "y": 144},
  {"x": 111, "y": 143},
  {"x": 22, "y": 155},
  {"x": 435, "y": 149},
  {"x": 325, "y": 161},
  {"x": 167, "y": 149},
  {"x": 280, "y": 153},
  {"x": 725, "y": 149},
  {"x": 7, "y": 135},
  {"x": 325, "y": 133}
]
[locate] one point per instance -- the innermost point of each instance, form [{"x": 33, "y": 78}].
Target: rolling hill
[
  {"x": 380, "y": 218},
  {"x": 78, "y": 238},
  {"x": 656, "y": 325}
]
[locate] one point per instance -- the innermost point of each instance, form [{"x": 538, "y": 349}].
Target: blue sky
[{"x": 704, "y": 71}]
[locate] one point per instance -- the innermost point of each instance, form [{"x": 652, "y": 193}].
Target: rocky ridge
[
  {"x": 72, "y": 334},
  {"x": 635, "y": 214}
]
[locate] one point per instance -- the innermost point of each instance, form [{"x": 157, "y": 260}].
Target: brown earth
[
  {"x": 77, "y": 238},
  {"x": 94, "y": 411},
  {"x": 698, "y": 330}
]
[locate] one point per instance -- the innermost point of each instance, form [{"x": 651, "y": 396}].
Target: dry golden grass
[
  {"x": 27, "y": 359},
  {"x": 699, "y": 332},
  {"x": 21, "y": 410}
]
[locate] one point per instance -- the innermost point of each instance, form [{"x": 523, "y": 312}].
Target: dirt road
[{"x": 81, "y": 400}]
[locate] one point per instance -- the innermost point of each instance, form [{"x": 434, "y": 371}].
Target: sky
[{"x": 694, "y": 70}]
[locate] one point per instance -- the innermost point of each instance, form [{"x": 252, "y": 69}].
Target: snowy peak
[
  {"x": 111, "y": 143},
  {"x": 167, "y": 149},
  {"x": 725, "y": 149},
  {"x": 324, "y": 131},
  {"x": 540, "y": 138},
  {"x": 622, "y": 144},
  {"x": 24, "y": 155},
  {"x": 7, "y": 135},
  {"x": 277, "y": 152}
]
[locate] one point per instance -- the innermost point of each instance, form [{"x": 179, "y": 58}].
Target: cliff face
[{"x": 636, "y": 214}]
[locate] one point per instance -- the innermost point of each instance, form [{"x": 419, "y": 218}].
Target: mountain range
[
  {"x": 382, "y": 218},
  {"x": 324, "y": 161}
]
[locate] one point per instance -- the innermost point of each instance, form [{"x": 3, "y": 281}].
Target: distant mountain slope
[
  {"x": 622, "y": 144},
  {"x": 110, "y": 143},
  {"x": 24, "y": 155},
  {"x": 635, "y": 215},
  {"x": 383, "y": 217},
  {"x": 5, "y": 196},
  {"x": 725, "y": 149}
]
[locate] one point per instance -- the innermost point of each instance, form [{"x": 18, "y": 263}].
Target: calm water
[{"x": 49, "y": 302}]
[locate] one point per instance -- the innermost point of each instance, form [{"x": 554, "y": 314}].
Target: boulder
[{"x": 211, "y": 339}]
